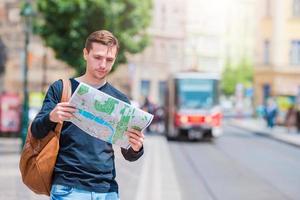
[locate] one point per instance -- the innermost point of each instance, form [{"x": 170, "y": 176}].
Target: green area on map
[
  {"x": 107, "y": 107},
  {"x": 83, "y": 89},
  {"x": 123, "y": 123},
  {"x": 136, "y": 128}
]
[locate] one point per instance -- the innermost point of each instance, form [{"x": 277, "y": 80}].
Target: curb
[
  {"x": 264, "y": 134},
  {"x": 158, "y": 172}
]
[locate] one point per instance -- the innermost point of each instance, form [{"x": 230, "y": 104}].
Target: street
[{"x": 238, "y": 165}]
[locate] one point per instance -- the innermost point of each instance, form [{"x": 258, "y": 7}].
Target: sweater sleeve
[
  {"x": 41, "y": 124},
  {"x": 131, "y": 155}
]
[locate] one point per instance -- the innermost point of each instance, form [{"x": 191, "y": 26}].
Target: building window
[
  {"x": 145, "y": 88},
  {"x": 296, "y": 8},
  {"x": 266, "y": 52},
  {"x": 268, "y": 8},
  {"x": 173, "y": 52},
  {"x": 162, "y": 92},
  {"x": 295, "y": 52},
  {"x": 163, "y": 17}
]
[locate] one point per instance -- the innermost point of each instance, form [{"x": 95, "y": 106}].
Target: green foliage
[
  {"x": 233, "y": 75},
  {"x": 64, "y": 25},
  {"x": 228, "y": 81}
]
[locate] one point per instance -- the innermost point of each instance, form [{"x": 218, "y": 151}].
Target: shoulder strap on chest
[{"x": 66, "y": 94}]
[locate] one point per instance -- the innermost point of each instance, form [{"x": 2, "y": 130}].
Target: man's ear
[{"x": 85, "y": 53}]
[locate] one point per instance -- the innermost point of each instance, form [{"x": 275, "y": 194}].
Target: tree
[
  {"x": 233, "y": 75},
  {"x": 228, "y": 81},
  {"x": 64, "y": 26}
]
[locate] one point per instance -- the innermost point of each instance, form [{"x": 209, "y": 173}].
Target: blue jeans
[{"x": 60, "y": 192}]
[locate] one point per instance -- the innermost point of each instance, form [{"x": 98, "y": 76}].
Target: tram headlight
[{"x": 184, "y": 119}]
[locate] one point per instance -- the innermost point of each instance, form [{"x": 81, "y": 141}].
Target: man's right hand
[{"x": 62, "y": 112}]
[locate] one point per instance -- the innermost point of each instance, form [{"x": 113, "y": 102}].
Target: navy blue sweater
[{"x": 83, "y": 161}]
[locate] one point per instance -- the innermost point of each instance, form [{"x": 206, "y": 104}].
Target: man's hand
[
  {"x": 62, "y": 112},
  {"x": 136, "y": 139}
]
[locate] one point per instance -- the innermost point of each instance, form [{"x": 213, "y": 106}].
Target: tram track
[
  {"x": 198, "y": 173},
  {"x": 188, "y": 153}
]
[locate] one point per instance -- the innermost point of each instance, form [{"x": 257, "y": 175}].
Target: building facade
[
  {"x": 205, "y": 26},
  {"x": 185, "y": 35},
  {"x": 146, "y": 73},
  {"x": 240, "y": 31},
  {"x": 43, "y": 68},
  {"x": 277, "y": 68},
  {"x": 189, "y": 35}
]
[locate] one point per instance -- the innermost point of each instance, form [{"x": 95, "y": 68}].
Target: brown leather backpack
[{"x": 38, "y": 156}]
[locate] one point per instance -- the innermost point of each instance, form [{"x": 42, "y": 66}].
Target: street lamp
[{"x": 26, "y": 13}]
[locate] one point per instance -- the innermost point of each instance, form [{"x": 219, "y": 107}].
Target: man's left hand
[{"x": 136, "y": 139}]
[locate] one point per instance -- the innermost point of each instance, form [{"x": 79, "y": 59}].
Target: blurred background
[{"x": 222, "y": 78}]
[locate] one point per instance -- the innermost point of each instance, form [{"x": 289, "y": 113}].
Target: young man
[{"x": 85, "y": 167}]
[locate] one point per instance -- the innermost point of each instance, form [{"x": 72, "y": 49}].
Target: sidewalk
[
  {"x": 153, "y": 176},
  {"x": 258, "y": 126},
  {"x": 11, "y": 186}
]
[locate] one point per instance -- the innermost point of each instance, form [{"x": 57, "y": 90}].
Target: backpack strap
[{"x": 66, "y": 94}]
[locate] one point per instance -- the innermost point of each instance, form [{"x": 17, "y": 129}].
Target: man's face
[{"x": 99, "y": 60}]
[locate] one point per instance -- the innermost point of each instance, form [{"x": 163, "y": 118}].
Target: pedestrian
[
  {"x": 290, "y": 118},
  {"x": 150, "y": 107},
  {"x": 271, "y": 112},
  {"x": 85, "y": 167},
  {"x": 298, "y": 118}
]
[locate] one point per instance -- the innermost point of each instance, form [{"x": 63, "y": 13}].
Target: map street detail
[{"x": 105, "y": 117}]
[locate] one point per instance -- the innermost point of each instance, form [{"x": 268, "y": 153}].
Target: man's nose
[{"x": 102, "y": 63}]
